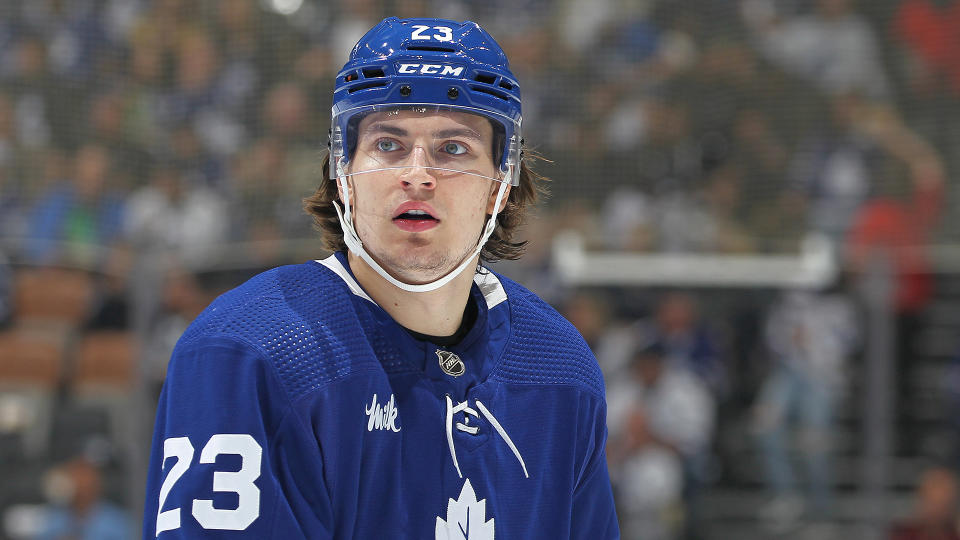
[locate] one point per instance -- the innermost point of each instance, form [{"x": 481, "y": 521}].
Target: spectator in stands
[
  {"x": 277, "y": 170},
  {"x": 24, "y": 172},
  {"x": 238, "y": 34},
  {"x": 43, "y": 115},
  {"x": 647, "y": 480},
  {"x": 106, "y": 125},
  {"x": 724, "y": 208},
  {"x": 8, "y": 136},
  {"x": 930, "y": 33},
  {"x": 936, "y": 516},
  {"x": 834, "y": 48},
  {"x": 181, "y": 301},
  {"x": 11, "y": 189},
  {"x": 289, "y": 121},
  {"x": 628, "y": 219},
  {"x": 185, "y": 219},
  {"x": 254, "y": 174},
  {"x": 189, "y": 154},
  {"x": 661, "y": 422},
  {"x": 773, "y": 213},
  {"x": 79, "y": 511},
  {"x": 262, "y": 183},
  {"x": 78, "y": 38},
  {"x": 201, "y": 96},
  {"x": 583, "y": 23},
  {"x": 354, "y": 17},
  {"x": 809, "y": 335},
  {"x": 689, "y": 343},
  {"x": 552, "y": 116},
  {"x": 835, "y": 168},
  {"x": 73, "y": 219},
  {"x": 683, "y": 224},
  {"x": 727, "y": 66},
  {"x": 167, "y": 20},
  {"x": 145, "y": 84},
  {"x": 926, "y": 38},
  {"x": 895, "y": 226}
]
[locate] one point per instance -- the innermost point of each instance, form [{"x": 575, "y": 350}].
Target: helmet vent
[
  {"x": 487, "y": 78},
  {"x": 366, "y": 85},
  {"x": 434, "y": 48},
  {"x": 488, "y": 90},
  {"x": 506, "y": 85},
  {"x": 373, "y": 72}
]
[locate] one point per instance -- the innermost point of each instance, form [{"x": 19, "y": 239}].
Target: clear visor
[{"x": 443, "y": 141}]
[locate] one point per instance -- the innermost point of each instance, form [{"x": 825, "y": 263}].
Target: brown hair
[{"x": 499, "y": 246}]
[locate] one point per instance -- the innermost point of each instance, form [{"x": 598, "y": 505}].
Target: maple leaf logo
[{"x": 465, "y": 518}]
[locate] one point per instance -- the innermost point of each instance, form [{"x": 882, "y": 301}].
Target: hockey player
[{"x": 395, "y": 389}]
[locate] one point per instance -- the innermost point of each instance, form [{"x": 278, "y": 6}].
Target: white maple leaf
[{"x": 465, "y": 518}]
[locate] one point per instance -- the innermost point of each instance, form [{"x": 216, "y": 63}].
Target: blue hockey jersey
[{"x": 295, "y": 407}]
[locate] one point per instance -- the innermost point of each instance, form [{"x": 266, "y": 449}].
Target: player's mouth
[{"x": 414, "y": 217}]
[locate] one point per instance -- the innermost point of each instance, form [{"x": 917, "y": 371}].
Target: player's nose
[{"x": 417, "y": 171}]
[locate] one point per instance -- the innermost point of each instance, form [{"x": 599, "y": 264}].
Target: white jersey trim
[
  {"x": 333, "y": 263},
  {"x": 490, "y": 286},
  {"x": 492, "y": 289}
]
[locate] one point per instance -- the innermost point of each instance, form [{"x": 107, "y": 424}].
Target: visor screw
[
  {"x": 405, "y": 90},
  {"x": 452, "y": 93}
]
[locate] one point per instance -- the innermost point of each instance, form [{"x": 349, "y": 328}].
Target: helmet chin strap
[{"x": 353, "y": 242}]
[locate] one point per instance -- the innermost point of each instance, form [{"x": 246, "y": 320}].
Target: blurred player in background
[{"x": 396, "y": 389}]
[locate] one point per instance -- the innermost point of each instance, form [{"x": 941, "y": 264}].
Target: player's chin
[{"x": 420, "y": 265}]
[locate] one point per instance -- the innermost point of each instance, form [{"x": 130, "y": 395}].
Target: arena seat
[
  {"x": 53, "y": 296},
  {"x": 31, "y": 367}
]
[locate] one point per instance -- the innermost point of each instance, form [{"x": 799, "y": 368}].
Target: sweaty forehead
[{"x": 431, "y": 123}]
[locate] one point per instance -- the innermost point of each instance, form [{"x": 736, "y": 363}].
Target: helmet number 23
[
  {"x": 446, "y": 33},
  {"x": 239, "y": 482}
]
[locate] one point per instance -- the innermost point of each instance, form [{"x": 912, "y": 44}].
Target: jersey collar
[{"x": 490, "y": 286}]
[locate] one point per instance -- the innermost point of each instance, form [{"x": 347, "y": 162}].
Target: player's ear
[
  {"x": 492, "y": 199},
  {"x": 340, "y": 190}
]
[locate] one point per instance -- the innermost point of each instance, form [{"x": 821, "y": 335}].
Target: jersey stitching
[
  {"x": 594, "y": 465},
  {"x": 585, "y": 371},
  {"x": 293, "y": 415},
  {"x": 263, "y": 357},
  {"x": 276, "y": 498}
]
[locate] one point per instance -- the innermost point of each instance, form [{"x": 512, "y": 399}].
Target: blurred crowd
[
  {"x": 158, "y": 146},
  {"x": 674, "y": 126}
]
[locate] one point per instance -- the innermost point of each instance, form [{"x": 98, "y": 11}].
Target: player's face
[{"x": 421, "y": 211}]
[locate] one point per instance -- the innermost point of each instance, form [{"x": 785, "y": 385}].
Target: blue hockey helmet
[{"x": 428, "y": 65}]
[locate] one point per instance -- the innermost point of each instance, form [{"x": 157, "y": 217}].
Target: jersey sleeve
[
  {"x": 231, "y": 458},
  {"x": 594, "y": 513}
]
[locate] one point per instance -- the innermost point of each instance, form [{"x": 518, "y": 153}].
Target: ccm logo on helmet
[{"x": 430, "y": 69}]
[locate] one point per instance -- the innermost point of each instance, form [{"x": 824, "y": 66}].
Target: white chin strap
[{"x": 356, "y": 246}]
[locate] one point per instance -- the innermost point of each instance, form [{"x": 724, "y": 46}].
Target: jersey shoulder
[
  {"x": 544, "y": 347},
  {"x": 299, "y": 318}
]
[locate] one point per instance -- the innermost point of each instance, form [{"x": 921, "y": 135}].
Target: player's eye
[
  {"x": 387, "y": 145},
  {"x": 454, "y": 148}
]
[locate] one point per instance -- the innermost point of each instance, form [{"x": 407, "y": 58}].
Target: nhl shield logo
[{"x": 450, "y": 363}]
